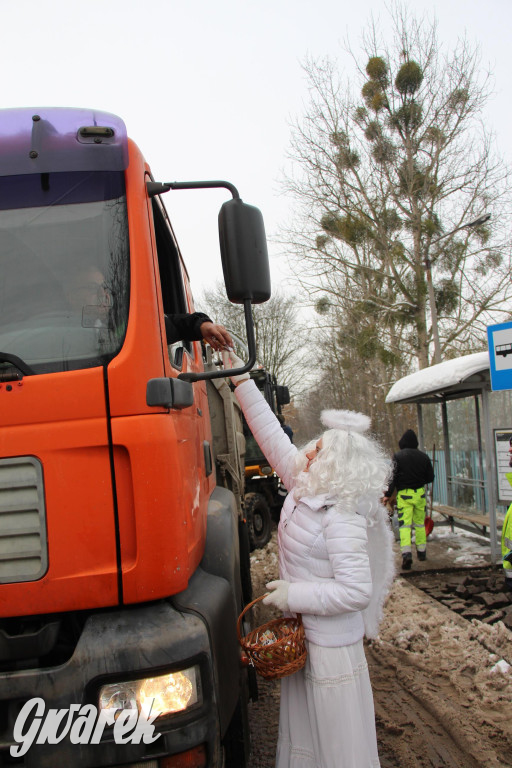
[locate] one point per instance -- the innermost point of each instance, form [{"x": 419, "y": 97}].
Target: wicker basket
[{"x": 277, "y": 648}]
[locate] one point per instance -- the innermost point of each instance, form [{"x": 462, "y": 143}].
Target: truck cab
[{"x": 119, "y": 554}]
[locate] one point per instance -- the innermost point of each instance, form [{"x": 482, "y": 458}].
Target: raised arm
[
  {"x": 273, "y": 441},
  {"x": 264, "y": 425}
]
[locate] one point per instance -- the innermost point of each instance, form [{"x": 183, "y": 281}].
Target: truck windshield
[
  {"x": 64, "y": 268},
  {"x": 253, "y": 453}
]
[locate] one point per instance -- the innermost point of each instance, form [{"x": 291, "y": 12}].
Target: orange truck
[{"x": 123, "y": 553}]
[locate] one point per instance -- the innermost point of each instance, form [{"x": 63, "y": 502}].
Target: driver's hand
[{"x": 216, "y": 336}]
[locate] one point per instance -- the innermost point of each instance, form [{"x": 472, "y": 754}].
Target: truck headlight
[{"x": 162, "y": 695}]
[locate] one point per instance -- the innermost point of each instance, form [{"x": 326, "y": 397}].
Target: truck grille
[{"x": 23, "y": 543}]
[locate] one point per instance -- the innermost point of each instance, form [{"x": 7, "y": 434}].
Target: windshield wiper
[{"x": 9, "y": 375}]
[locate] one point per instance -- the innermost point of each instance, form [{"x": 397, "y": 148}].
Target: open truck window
[
  {"x": 64, "y": 266},
  {"x": 171, "y": 280}
]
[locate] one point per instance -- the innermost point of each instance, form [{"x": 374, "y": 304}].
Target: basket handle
[{"x": 247, "y": 608}]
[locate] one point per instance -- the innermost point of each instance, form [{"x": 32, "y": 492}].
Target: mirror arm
[
  {"x": 158, "y": 188},
  {"x": 251, "y": 343}
]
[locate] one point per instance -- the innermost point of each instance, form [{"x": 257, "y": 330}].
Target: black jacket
[
  {"x": 185, "y": 327},
  {"x": 411, "y": 467}
]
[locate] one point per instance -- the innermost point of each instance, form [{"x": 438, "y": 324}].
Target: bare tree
[
  {"x": 351, "y": 375},
  {"x": 280, "y": 338},
  {"x": 383, "y": 178}
]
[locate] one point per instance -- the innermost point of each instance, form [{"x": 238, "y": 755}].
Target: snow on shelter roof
[{"x": 447, "y": 380}]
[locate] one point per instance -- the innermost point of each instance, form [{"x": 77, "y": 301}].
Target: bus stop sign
[{"x": 499, "y": 339}]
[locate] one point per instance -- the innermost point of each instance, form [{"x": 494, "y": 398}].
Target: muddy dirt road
[{"x": 442, "y": 683}]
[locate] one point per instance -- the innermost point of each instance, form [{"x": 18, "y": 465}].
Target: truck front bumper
[{"x": 125, "y": 644}]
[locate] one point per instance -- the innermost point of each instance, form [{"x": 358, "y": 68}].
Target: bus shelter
[{"x": 466, "y": 377}]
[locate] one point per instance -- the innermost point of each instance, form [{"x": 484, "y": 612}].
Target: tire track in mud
[
  {"x": 411, "y": 731},
  {"x": 438, "y": 700}
]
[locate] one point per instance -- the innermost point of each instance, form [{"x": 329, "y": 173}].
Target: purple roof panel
[{"x": 53, "y": 139}]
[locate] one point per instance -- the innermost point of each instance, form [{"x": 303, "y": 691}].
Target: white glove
[
  {"x": 230, "y": 360},
  {"x": 279, "y": 594}
]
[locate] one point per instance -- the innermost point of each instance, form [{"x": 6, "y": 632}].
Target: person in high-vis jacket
[
  {"x": 412, "y": 470},
  {"x": 506, "y": 533},
  {"x": 506, "y": 548}
]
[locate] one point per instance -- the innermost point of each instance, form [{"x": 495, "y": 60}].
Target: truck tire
[{"x": 259, "y": 520}]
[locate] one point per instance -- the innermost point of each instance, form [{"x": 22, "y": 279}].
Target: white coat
[{"x": 323, "y": 548}]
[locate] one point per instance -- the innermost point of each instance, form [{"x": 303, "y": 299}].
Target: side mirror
[
  {"x": 243, "y": 244},
  {"x": 282, "y": 395},
  {"x": 243, "y": 247}
]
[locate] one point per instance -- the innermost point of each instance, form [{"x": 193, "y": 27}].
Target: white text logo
[{"x": 83, "y": 725}]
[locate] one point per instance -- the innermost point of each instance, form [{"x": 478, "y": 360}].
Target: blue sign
[{"x": 499, "y": 339}]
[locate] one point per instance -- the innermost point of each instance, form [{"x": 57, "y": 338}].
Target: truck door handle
[
  {"x": 208, "y": 464},
  {"x": 169, "y": 393}
]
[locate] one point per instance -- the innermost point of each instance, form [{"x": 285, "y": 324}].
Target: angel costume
[{"x": 337, "y": 558}]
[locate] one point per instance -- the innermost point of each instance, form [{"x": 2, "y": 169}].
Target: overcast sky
[{"x": 207, "y": 88}]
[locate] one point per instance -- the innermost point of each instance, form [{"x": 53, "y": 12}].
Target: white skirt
[{"x": 327, "y": 718}]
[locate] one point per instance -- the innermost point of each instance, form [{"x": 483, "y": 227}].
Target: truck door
[{"x": 192, "y": 466}]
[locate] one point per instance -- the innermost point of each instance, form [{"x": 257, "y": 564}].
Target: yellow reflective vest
[{"x": 506, "y": 542}]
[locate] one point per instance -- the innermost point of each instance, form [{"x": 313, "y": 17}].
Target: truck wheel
[{"x": 259, "y": 520}]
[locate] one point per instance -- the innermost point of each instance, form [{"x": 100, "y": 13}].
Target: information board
[{"x": 503, "y": 468}]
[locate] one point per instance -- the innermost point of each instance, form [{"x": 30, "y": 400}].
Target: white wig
[{"x": 350, "y": 466}]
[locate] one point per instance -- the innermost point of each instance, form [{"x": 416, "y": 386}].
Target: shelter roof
[{"x": 448, "y": 380}]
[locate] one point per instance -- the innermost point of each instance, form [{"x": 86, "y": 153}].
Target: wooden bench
[{"x": 469, "y": 521}]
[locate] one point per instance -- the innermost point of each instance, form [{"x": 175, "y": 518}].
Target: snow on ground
[{"x": 468, "y": 548}]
